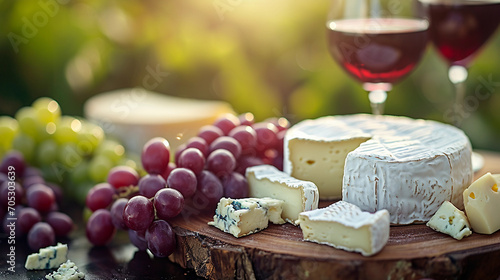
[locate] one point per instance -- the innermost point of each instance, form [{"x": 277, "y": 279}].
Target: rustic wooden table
[{"x": 413, "y": 252}]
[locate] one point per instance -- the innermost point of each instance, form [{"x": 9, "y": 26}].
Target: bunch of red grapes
[
  {"x": 29, "y": 205},
  {"x": 206, "y": 168}
]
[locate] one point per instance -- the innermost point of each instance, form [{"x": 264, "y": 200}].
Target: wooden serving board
[{"x": 278, "y": 252}]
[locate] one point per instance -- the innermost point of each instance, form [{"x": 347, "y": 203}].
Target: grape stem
[{"x": 125, "y": 192}]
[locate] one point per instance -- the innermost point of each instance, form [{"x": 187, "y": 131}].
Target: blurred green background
[{"x": 266, "y": 57}]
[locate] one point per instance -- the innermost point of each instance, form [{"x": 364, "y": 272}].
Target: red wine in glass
[
  {"x": 377, "y": 50},
  {"x": 459, "y": 29}
]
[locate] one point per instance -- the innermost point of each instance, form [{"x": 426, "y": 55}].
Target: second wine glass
[{"x": 378, "y": 42}]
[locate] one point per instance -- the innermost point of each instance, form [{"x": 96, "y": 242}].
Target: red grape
[
  {"x": 193, "y": 159},
  {"x": 41, "y": 235},
  {"x": 184, "y": 180},
  {"x": 40, "y": 197},
  {"x": 100, "y": 230},
  {"x": 13, "y": 162},
  {"x": 246, "y": 136},
  {"x": 198, "y": 143},
  {"x": 150, "y": 184},
  {"x": 227, "y": 123},
  {"x": 280, "y": 123},
  {"x": 161, "y": 239},
  {"x": 155, "y": 155},
  {"x": 221, "y": 162},
  {"x": 138, "y": 241},
  {"x": 246, "y": 119},
  {"x": 209, "y": 191},
  {"x": 209, "y": 133},
  {"x": 266, "y": 136},
  {"x": 235, "y": 186},
  {"x": 117, "y": 213},
  {"x": 100, "y": 196},
  {"x": 123, "y": 176},
  {"x": 27, "y": 218},
  {"x": 60, "y": 222},
  {"x": 227, "y": 143},
  {"x": 138, "y": 213},
  {"x": 168, "y": 203}
]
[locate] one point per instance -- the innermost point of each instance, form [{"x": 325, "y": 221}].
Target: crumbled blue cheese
[
  {"x": 67, "y": 271},
  {"x": 47, "y": 258},
  {"x": 241, "y": 217}
]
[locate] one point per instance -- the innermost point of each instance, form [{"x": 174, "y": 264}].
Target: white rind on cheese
[
  {"x": 409, "y": 167},
  {"x": 450, "y": 220},
  {"x": 47, "y": 258},
  {"x": 241, "y": 217},
  {"x": 482, "y": 204},
  {"x": 298, "y": 195},
  {"x": 345, "y": 226}
]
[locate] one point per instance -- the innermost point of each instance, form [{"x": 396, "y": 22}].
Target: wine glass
[
  {"x": 378, "y": 42},
  {"x": 458, "y": 30}
]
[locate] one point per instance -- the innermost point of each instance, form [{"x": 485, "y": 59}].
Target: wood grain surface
[{"x": 278, "y": 252}]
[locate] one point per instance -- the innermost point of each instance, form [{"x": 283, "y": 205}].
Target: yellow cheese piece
[
  {"x": 135, "y": 115},
  {"x": 482, "y": 204}
]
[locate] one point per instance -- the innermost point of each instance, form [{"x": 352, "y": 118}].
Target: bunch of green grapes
[{"x": 71, "y": 151}]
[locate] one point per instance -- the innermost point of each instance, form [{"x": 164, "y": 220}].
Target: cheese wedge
[
  {"x": 450, "y": 220},
  {"x": 47, "y": 258},
  {"x": 482, "y": 204},
  {"x": 344, "y": 226},
  {"x": 298, "y": 195},
  {"x": 245, "y": 216}
]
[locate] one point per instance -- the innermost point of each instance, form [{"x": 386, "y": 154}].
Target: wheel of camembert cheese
[{"x": 407, "y": 166}]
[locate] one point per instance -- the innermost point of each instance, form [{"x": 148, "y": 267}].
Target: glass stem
[
  {"x": 377, "y": 95},
  {"x": 377, "y": 101},
  {"x": 457, "y": 75}
]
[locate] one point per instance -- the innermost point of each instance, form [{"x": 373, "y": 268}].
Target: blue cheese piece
[
  {"x": 450, "y": 220},
  {"x": 47, "y": 258},
  {"x": 67, "y": 271},
  {"x": 245, "y": 216},
  {"x": 345, "y": 226}
]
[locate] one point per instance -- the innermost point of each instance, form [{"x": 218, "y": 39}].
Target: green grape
[
  {"x": 80, "y": 173},
  {"x": 99, "y": 167},
  {"x": 26, "y": 145},
  {"x": 8, "y": 130},
  {"x": 69, "y": 155},
  {"x": 28, "y": 122},
  {"x": 47, "y": 152},
  {"x": 112, "y": 150},
  {"x": 47, "y": 110},
  {"x": 90, "y": 137},
  {"x": 67, "y": 130}
]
